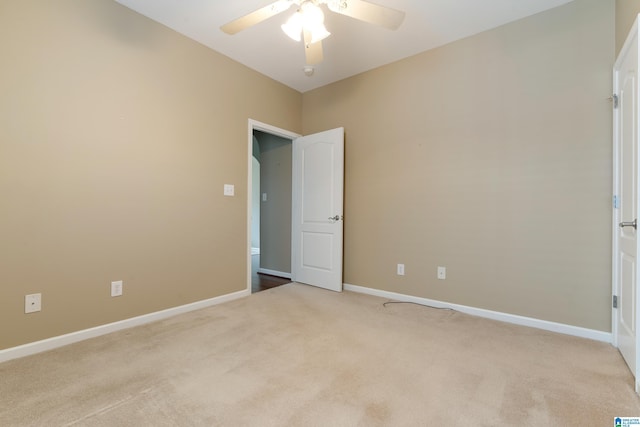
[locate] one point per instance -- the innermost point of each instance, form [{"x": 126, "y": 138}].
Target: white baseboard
[
  {"x": 495, "y": 315},
  {"x": 274, "y": 273},
  {"x": 62, "y": 340}
]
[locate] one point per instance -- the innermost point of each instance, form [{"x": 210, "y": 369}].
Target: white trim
[
  {"x": 73, "y": 337},
  {"x": 615, "y": 212},
  {"x": 274, "y": 273},
  {"x": 495, "y": 315}
]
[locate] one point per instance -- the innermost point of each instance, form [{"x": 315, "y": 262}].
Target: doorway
[
  {"x": 270, "y": 197},
  {"x": 315, "y": 191}
]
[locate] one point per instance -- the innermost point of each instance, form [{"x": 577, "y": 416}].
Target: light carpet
[{"x": 302, "y": 356}]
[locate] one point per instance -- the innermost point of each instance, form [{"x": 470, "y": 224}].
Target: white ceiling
[{"x": 353, "y": 47}]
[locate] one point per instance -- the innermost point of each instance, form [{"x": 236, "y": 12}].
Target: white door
[
  {"x": 318, "y": 181},
  {"x": 625, "y": 234}
]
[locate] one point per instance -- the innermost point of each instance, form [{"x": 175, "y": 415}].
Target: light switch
[
  {"x": 229, "y": 190},
  {"x": 116, "y": 288},
  {"x": 32, "y": 303},
  {"x": 264, "y": 197}
]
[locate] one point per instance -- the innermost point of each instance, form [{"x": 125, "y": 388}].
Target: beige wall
[
  {"x": 490, "y": 156},
  {"x": 275, "y": 212},
  {"x": 626, "y": 13},
  {"x": 116, "y": 137}
]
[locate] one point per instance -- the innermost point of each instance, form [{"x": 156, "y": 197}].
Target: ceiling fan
[{"x": 307, "y": 23}]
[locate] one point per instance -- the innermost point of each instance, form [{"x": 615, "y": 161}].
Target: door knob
[
  {"x": 633, "y": 224},
  {"x": 336, "y": 218}
]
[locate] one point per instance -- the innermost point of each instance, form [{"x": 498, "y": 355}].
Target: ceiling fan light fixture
[
  {"x": 308, "y": 18},
  {"x": 312, "y": 19},
  {"x": 319, "y": 33},
  {"x": 312, "y": 15},
  {"x": 293, "y": 27}
]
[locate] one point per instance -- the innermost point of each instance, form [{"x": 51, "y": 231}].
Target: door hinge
[
  {"x": 615, "y": 301},
  {"x": 614, "y": 98},
  {"x": 616, "y": 202}
]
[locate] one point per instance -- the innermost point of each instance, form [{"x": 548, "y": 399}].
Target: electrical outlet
[
  {"x": 32, "y": 303},
  {"x": 400, "y": 270},
  {"x": 116, "y": 288},
  {"x": 442, "y": 273}
]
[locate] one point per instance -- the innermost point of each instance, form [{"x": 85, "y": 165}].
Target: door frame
[
  {"x": 273, "y": 130},
  {"x": 616, "y": 214}
]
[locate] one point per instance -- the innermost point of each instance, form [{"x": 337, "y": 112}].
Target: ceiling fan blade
[
  {"x": 312, "y": 51},
  {"x": 256, "y": 17},
  {"x": 368, "y": 12}
]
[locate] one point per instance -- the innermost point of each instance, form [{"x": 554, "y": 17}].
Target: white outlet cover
[
  {"x": 442, "y": 273},
  {"x": 229, "y": 189}
]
